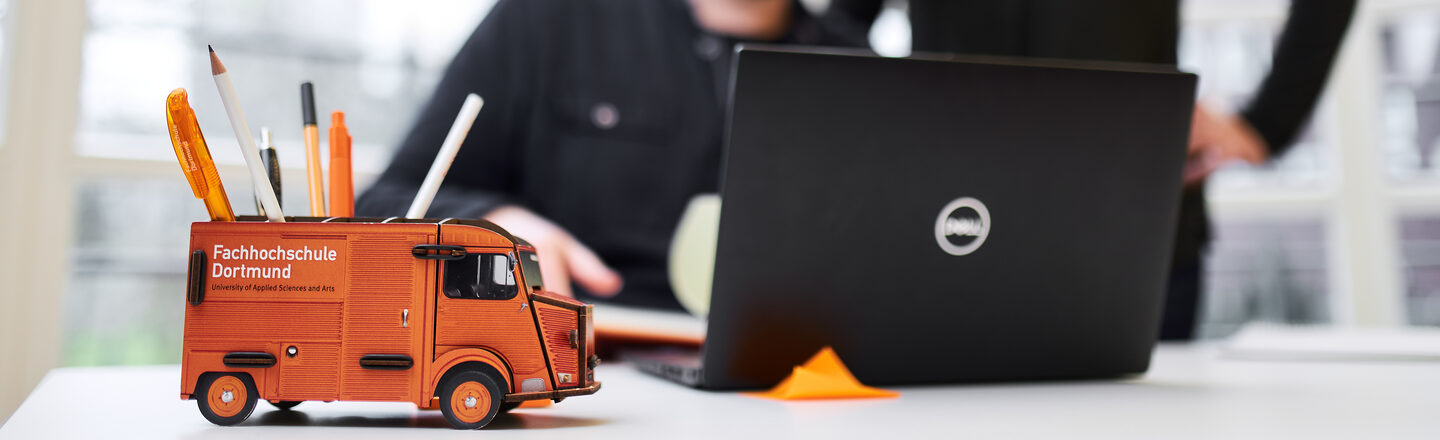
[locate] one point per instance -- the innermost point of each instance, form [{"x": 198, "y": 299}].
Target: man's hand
[
  {"x": 1215, "y": 140},
  {"x": 765, "y": 20},
  {"x": 562, "y": 257}
]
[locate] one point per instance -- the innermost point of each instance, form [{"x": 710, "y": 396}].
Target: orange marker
[
  {"x": 194, "y": 156},
  {"x": 342, "y": 186},
  {"x": 312, "y": 150}
]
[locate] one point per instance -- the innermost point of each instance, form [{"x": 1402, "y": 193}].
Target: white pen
[{"x": 446, "y": 156}]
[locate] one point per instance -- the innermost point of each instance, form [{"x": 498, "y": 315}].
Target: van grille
[{"x": 557, "y": 324}]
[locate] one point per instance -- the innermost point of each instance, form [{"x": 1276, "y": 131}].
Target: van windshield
[{"x": 530, "y": 265}]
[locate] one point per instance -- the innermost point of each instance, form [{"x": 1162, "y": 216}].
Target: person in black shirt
[
  {"x": 601, "y": 120},
  {"x": 1143, "y": 31}
]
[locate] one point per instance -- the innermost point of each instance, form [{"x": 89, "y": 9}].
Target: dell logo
[{"x": 962, "y": 226}]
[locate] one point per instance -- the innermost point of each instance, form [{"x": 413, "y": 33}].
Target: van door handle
[
  {"x": 523, "y": 306},
  {"x": 195, "y": 287},
  {"x": 405, "y": 317}
]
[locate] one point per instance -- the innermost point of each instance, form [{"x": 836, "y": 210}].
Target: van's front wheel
[
  {"x": 470, "y": 399},
  {"x": 226, "y": 398}
]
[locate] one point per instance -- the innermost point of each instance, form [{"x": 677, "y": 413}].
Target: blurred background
[{"x": 1344, "y": 229}]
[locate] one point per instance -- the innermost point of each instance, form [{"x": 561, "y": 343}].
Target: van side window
[{"x": 481, "y": 276}]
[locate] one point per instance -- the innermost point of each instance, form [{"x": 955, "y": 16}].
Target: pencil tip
[
  {"x": 212, "y": 48},
  {"x": 216, "y": 67}
]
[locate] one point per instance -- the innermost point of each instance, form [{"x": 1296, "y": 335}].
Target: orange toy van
[{"x": 448, "y": 314}]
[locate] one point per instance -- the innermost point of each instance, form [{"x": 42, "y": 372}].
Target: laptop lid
[{"x": 943, "y": 221}]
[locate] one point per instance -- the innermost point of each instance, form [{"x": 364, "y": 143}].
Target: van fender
[
  {"x": 196, "y": 363},
  {"x": 453, "y": 358}
]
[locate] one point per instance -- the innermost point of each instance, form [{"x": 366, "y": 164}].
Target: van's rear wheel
[
  {"x": 470, "y": 399},
  {"x": 225, "y": 398}
]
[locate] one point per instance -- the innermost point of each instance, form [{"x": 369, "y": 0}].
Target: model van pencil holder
[
  {"x": 448, "y": 314},
  {"x": 444, "y": 313}
]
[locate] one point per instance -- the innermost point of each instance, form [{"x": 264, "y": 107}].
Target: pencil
[
  {"x": 342, "y": 186},
  {"x": 446, "y": 156},
  {"x": 312, "y": 149},
  {"x": 246, "y": 140}
]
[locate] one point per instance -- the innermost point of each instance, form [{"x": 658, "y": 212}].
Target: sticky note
[{"x": 824, "y": 376}]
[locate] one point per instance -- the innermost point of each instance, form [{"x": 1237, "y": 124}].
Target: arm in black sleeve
[
  {"x": 852, "y": 18},
  {"x": 1301, "y": 65},
  {"x": 492, "y": 64}
]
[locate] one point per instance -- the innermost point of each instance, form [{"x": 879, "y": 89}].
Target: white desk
[{"x": 1191, "y": 392}]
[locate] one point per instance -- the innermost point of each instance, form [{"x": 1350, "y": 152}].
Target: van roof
[{"x": 483, "y": 224}]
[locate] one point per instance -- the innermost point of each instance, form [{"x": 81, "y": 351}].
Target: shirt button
[
  {"x": 605, "y": 115},
  {"x": 708, "y": 47}
]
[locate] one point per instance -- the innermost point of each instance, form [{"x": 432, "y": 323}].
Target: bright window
[{"x": 376, "y": 60}]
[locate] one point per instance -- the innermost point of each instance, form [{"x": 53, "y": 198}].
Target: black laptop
[{"x": 941, "y": 220}]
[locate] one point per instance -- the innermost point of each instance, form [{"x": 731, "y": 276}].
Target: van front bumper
[{"x": 554, "y": 394}]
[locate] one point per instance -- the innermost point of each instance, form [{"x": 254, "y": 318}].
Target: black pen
[{"x": 271, "y": 162}]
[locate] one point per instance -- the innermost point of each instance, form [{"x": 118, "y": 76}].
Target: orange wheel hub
[
  {"x": 226, "y": 396},
  {"x": 470, "y": 402}
]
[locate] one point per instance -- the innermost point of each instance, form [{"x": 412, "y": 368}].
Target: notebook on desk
[{"x": 617, "y": 323}]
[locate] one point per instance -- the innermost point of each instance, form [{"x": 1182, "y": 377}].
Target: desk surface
[{"x": 1190, "y": 392}]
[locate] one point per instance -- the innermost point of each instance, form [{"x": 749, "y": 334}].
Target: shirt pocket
[{"x": 617, "y": 110}]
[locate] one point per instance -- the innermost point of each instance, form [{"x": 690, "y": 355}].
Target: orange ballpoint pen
[
  {"x": 342, "y": 186},
  {"x": 194, "y": 156}
]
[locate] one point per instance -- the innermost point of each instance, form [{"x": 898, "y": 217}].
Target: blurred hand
[
  {"x": 765, "y": 20},
  {"x": 1217, "y": 139},
  {"x": 562, "y": 257}
]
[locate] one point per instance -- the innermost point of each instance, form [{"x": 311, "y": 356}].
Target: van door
[
  {"x": 382, "y": 351},
  {"x": 481, "y": 304}
]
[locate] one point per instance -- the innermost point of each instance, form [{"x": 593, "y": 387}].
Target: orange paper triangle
[{"x": 822, "y": 377}]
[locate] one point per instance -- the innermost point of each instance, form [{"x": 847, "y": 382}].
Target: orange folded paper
[{"x": 822, "y": 377}]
